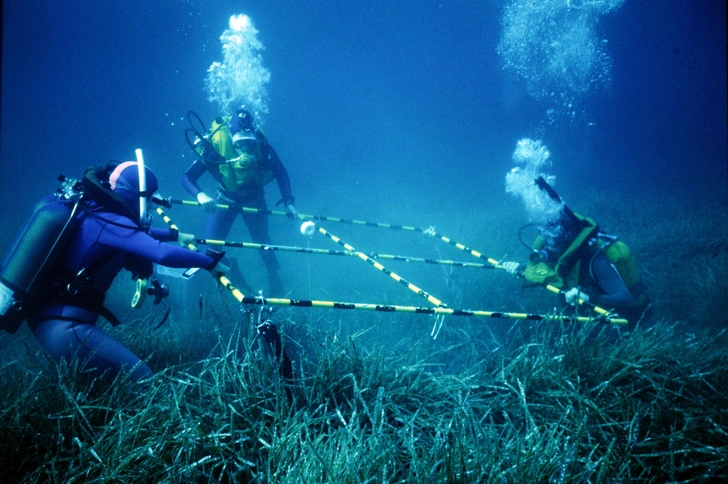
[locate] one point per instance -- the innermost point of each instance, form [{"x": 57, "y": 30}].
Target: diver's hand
[
  {"x": 573, "y": 295},
  {"x": 510, "y": 267},
  {"x": 184, "y": 239},
  {"x": 219, "y": 270},
  {"x": 216, "y": 267},
  {"x": 291, "y": 211},
  {"x": 207, "y": 203}
]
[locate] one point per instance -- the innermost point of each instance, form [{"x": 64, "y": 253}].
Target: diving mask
[{"x": 245, "y": 145}]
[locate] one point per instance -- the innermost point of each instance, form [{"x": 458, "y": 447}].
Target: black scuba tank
[{"x": 26, "y": 266}]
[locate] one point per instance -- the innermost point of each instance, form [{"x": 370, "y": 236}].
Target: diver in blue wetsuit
[
  {"x": 110, "y": 236},
  {"x": 240, "y": 159}
]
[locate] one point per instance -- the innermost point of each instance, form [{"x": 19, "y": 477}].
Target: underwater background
[
  {"x": 399, "y": 112},
  {"x": 395, "y": 112}
]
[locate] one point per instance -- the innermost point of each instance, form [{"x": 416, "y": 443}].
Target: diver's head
[
  {"x": 124, "y": 180},
  {"x": 557, "y": 235},
  {"x": 242, "y": 131}
]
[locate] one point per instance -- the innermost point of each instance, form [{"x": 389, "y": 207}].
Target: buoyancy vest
[
  {"x": 564, "y": 271},
  {"x": 237, "y": 173}
]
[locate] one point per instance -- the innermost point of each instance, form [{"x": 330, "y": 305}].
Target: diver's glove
[
  {"x": 207, "y": 203},
  {"x": 573, "y": 295},
  {"x": 216, "y": 267},
  {"x": 510, "y": 267},
  {"x": 184, "y": 239},
  {"x": 291, "y": 211},
  {"x": 219, "y": 270}
]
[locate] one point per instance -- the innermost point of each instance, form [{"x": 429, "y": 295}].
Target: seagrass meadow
[{"x": 375, "y": 398}]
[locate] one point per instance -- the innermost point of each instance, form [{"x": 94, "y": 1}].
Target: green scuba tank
[{"x": 25, "y": 268}]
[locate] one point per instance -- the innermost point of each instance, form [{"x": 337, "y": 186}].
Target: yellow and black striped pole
[
  {"x": 305, "y": 250},
  {"x": 242, "y": 299},
  {"x": 429, "y": 231},
  {"x": 380, "y": 267},
  {"x": 303, "y": 216},
  {"x": 439, "y": 310},
  {"x": 596, "y": 308},
  {"x": 224, "y": 281}
]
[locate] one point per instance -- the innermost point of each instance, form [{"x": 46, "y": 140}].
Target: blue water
[{"x": 404, "y": 112}]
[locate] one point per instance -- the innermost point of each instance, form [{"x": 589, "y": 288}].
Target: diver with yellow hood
[
  {"x": 238, "y": 156},
  {"x": 573, "y": 255}
]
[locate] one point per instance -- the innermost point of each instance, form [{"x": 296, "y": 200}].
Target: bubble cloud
[
  {"x": 533, "y": 158},
  {"x": 553, "y": 46},
  {"x": 240, "y": 79}
]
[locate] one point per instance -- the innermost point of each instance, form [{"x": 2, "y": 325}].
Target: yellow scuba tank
[
  {"x": 27, "y": 264},
  {"x": 620, "y": 256},
  {"x": 220, "y": 138}
]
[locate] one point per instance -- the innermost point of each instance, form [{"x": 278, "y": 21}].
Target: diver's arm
[
  {"x": 280, "y": 174},
  {"x": 191, "y": 175},
  {"x": 139, "y": 267},
  {"x": 164, "y": 235},
  {"x": 136, "y": 242},
  {"x": 616, "y": 294}
]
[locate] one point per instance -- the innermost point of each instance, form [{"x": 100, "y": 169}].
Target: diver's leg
[
  {"x": 219, "y": 223},
  {"x": 95, "y": 350},
  {"x": 257, "y": 224},
  {"x": 218, "y": 227}
]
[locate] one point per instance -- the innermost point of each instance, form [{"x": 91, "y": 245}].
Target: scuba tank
[
  {"x": 619, "y": 255},
  {"x": 232, "y": 171},
  {"x": 201, "y": 144},
  {"x": 25, "y": 269},
  {"x": 26, "y": 265}
]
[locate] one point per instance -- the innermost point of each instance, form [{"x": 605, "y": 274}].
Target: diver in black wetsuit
[
  {"x": 242, "y": 162},
  {"x": 601, "y": 284},
  {"x": 570, "y": 255}
]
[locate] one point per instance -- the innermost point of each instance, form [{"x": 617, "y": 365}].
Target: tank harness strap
[
  {"x": 94, "y": 301},
  {"x": 102, "y": 310},
  {"x": 84, "y": 276},
  {"x": 109, "y": 316},
  {"x": 225, "y": 199},
  {"x": 591, "y": 263}
]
